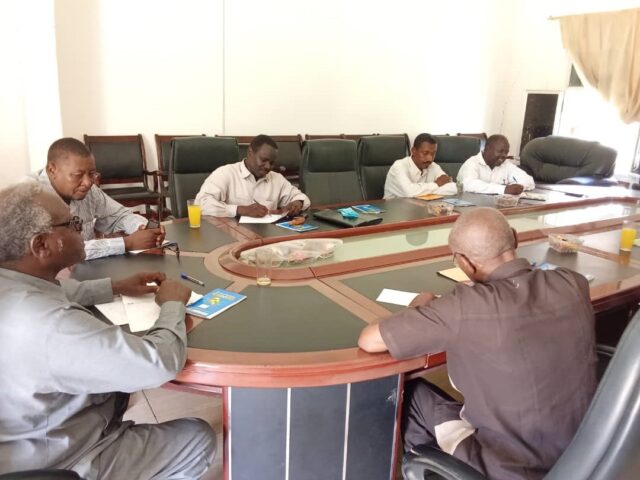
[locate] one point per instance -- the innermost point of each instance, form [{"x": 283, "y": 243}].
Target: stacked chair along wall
[
  {"x": 454, "y": 151},
  {"x": 329, "y": 171},
  {"x": 163, "y": 152},
  {"x": 607, "y": 443},
  {"x": 192, "y": 160},
  {"x": 121, "y": 160},
  {"x": 376, "y": 154},
  {"x": 556, "y": 159}
]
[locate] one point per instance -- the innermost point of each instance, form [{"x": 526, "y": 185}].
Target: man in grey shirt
[
  {"x": 71, "y": 173},
  {"x": 520, "y": 348},
  {"x": 60, "y": 365}
]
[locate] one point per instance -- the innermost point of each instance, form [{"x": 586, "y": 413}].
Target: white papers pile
[
  {"x": 271, "y": 218},
  {"x": 140, "y": 313},
  {"x": 164, "y": 244}
]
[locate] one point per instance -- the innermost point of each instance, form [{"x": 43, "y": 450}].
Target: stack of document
[{"x": 140, "y": 313}]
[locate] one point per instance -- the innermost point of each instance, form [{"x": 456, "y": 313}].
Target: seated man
[
  {"x": 490, "y": 171},
  {"x": 250, "y": 187},
  {"x": 71, "y": 173},
  {"x": 418, "y": 174},
  {"x": 61, "y": 369},
  {"x": 520, "y": 348}
]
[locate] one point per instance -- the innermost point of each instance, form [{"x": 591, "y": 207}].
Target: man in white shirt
[
  {"x": 418, "y": 174},
  {"x": 71, "y": 173},
  {"x": 491, "y": 171},
  {"x": 250, "y": 187}
]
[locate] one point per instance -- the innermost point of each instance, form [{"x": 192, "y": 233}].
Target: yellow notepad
[
  {"x": 456, "y": 274},
  {"x": 429, "y": 196}
]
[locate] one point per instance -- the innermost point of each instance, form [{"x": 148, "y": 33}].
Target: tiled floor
[{"x": 161, "y": 404}]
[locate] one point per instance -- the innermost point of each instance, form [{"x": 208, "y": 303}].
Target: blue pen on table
[{"x": 191, "y": 279}]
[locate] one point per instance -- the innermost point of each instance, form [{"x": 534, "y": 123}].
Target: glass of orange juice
[
  {"x": 627, "y": 236},
  {"x": 194, "y": 214}
]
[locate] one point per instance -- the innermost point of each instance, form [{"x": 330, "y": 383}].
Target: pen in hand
[{"x": 184, "y": 276}]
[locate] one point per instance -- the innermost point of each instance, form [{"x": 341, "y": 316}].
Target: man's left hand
[
  {"x": 136, "y": 285},
  {"x": 294, "y": 208},
  {"x": 422, "y": 299},
  {"x": 443, "y": 180}
]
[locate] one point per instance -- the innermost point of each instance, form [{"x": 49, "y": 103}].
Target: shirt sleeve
[
  {"x": 289, "y": 193},
  {"x": 90, "y": 356},
  {"x": 521, "y": 177},
  {"x": 213, "y": 195},
  {"x": 89, "y": 292},
  {"x": 419, "y": 331},
  {"x": 469, "y": 178},
  {"x": 111, "y": 216},
  {"x": 103, "y": 247}
]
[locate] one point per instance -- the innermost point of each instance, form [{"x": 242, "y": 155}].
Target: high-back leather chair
[
  {"x": 329, "y": 171},
  {"x": 289, "y": 156},
  {"x": 605, "y": 447},
  {"x": 120, "y": 159},
  {"x": 454, "y": 151},
  {"x": 557, "y": 159},
  {"x": 376, "y": 154},
  {"x": 192, "y": 161}
]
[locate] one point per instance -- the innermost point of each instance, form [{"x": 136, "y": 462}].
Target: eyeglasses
[
  {"x": 173, "y": 247},
  {"x": 74, "y": 224}
]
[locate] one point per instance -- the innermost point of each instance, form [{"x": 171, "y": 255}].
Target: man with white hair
[
  {"x": 520, "y": 348},
  {"x": 62, "y": 370}
]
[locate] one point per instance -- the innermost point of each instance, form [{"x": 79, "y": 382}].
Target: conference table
[{"x": 300, "y": 399}]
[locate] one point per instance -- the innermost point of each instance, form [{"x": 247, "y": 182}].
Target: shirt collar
[
  {"x": 245, "y": 173},
  {"x": 413, "y": 168},
  {"x": 510, "y": 269}
]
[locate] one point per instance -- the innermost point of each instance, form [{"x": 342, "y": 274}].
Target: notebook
[
  {"x": 429, "y": 196},
  {"x": 456, "y": 274},
  {"x": 334, "y": 216}
]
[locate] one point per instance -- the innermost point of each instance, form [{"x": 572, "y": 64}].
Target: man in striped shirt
[{"x": 71, "y": 173}]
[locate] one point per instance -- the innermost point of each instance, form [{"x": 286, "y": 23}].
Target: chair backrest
[
  {"x": 607, "y": 444},
  {"x": 551, "y": 159},
  {"x": 376, "y": 154},
  {"x": 192, "y": 161},
  {"x": 482, "y": 136},
  {"x": 119, "y": 158},
  {"x": 289, "y": 154},
  {"x": 163, "y": 149},
  {"x": 337, "y": 136},
  {"x": 329, "y": 171},
  {"x": 454, "y": 151}
]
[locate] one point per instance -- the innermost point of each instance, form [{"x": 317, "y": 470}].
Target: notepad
[
  {"x": 214, "y": 303},
  {"x": 166, "y": 243},
  {"x": 396, "y": 297},
  {"x": 456, "y": 274},
  {"x": 457, "y": 202},
  {"x": 429, "y": 196},
  {"x": 271, "y": 218}
]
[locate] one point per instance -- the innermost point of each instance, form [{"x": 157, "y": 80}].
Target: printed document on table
[
  {"x": 396, "y": 297},
  {"x": 271, "y": 218},
  {"x": 164, "y": 244}
]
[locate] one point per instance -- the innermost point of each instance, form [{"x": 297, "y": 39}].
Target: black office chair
[
  {"x": 192, "y": 161},
  {"x": 41, "y": 475},
  {"x": 605, "y": 447},
  {"x": 329, "y": 171},
  {"x": 454, "y": 151},
  {"x": 121, "y": 159},
  {"x": 376, "y": 154}
]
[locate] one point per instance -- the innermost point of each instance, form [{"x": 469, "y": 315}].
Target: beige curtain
[{"x": 605, "y": 48}]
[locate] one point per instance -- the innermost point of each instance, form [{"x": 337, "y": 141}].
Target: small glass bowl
[
  {"x": 564, "y": 242},
  {"x": 503, "y": 201},
  {"x": 439, "y": 209}
]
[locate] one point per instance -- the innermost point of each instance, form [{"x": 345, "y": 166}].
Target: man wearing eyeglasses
[
  {"x": 520, "y": 348},
  {"x": 62, "y": 370},
  {"x": 71, "y": 173}
]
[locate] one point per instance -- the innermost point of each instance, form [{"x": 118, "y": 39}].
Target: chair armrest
[{"x": 427, "y": 459}]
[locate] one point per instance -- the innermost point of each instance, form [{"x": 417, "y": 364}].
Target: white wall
[
  {"x": 244, "y": 67},
  {"x": 29, "y": 104}
]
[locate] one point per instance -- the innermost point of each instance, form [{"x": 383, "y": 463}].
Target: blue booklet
[
  {"x": 456, "y": 202},
  {"x": 214, "y": 303},
  {"x": 368, "y": 209},
  {"x": 305, "y": 227}
]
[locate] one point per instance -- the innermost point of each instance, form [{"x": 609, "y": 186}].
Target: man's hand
[
  {"x": 136, "y": 285},
  {"x": 172, "y": 291},
  {"x": 294, "y": 208},
  {"x": 443, "y": 180},
  {"x": 253, "y": 210},
  {"x": 422, "y": 299},
  {"x": 513, "y": 189},
  {"x": 144, "y": 238}
]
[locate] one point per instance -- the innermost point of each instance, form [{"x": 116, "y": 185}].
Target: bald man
[{"x": 520, "y": 348}]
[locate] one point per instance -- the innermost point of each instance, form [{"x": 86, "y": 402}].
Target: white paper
[
  {"x": 271, "y": 218},
  {"x": 114, "y": 311},
  {"x": 164, "y": 244},
  {"x": 397, "y": 297}
]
